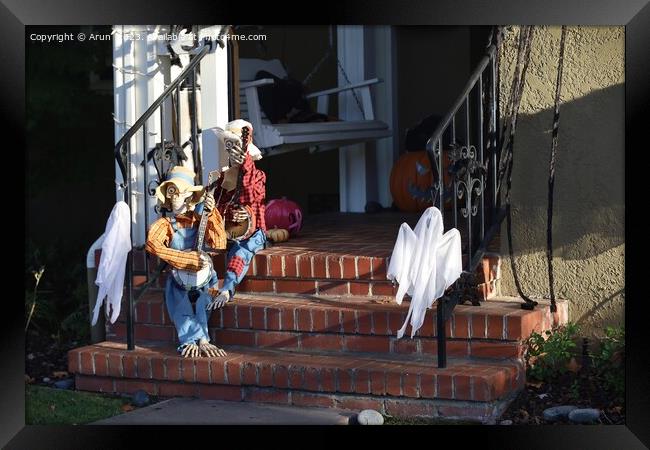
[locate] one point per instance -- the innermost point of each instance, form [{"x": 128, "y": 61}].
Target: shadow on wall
[{"x": 589, "y": 197}]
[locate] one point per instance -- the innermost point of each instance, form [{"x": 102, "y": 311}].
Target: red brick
[
  {"x": 444, "y": 386},
  {"x": 220, "y": 392},
  {"x": 334, "y": 266},
  {"x": 410, "y": 408},
  {"x": 280, "y": 376},
  {"x": 173, "y": 368},
  {"x": 142, "y": 312},
  {"x": 266, "y": 374},
  {"x": 87, "y": 362},
  {"x": 428, "y": 386},
  {"x": 495, "y": 327},
  {"x": 364, "y": 319},
  {"x": 349, "y": 321},
  {"x": 187, "y": 370},
  {"x": 234, "y": 337},
  {"x": 275, "y": 265},
  {"x": 155, "y": 312},
  {"x": 258, "y": 318},
  {"x": 304, "y": 319},
  {"x": 115, "y": 367},
  {"x": 349, "y": 269},
  {"x": 429, "y": 347},
  {"x": 220, "y": 264},
  {"x": 290, "y": 266},
  {"x": 93, "y": 384},
  {"x": 73, "y": 361},
  {"x": 457, "y": 349},
  {"x": 315, "y": 400},
  {"x": 233, "y": 370},
  {"x": 288, "y": 322},
  {"x": 395, "y": 321},
  {"x": 393, "y": 383},
  {"x": 377, "y": 381},
  {"x": 364, "y": 268},
  {"x": 378, "y": 268},
  {"x": 296, "y": 375},
  {"x": 367, "y": 344},
  {"x": 499, "y": 383},
  {"x": 278, "y": 339},
  {"x": 157, "y": 369},
  {"x": 384, "y": 289},
  {"x": 497, "y": 350},
  {"x": 333, "y": 288},
  {"x": 250, "y": 373},
  {"x": 261, "y": 265},
  {"x": 228, "y": 315},
  {"x": 320, "y": 266},
  {"x": 218, "y": 369},
  {"x": 461, "y": 326},
  {"x": 318, "y": 319},
  {"x": 513, "y": 326},
  {"x": 462, "y": 389},
  {"x": 334, "y": 321},
  {"x": 101, "y": 363},
  {"x": 322, "y": 342},
  {"x": 410, "y": 385},
  {"x": 243, "y": 313},
  {"x": 304, "y": 266},
  {"x": 266, "y": 396},
  {"x": 202, "y": 367},
  {"x": 131, "y": 386},
  {"x": 328, "y": 379},
  {"x": 253, "y": 285},
  {"x": 359, "y": 404},
  {"x": 361, "y": 380},
  {"x": 464, "y": 411},
  {"x": 166, "y": 318},
  {"x": 273, "y": 318},
  {"x": 130, "y": 365},
  {"x": 405, "y": 345},
  {"x": 358, "y": 288},
  {"x": 177, "y": 390},
  {"x": 478, "y": 326},
  {"x": 295, "y": 287},
  {"x": 344, "y": 379},
  {"x": 311, "y": 379},
  {"x": 481, "y": 389},
  {"x": 380, "y": 322},
  {"x": 144, "y": 366}
]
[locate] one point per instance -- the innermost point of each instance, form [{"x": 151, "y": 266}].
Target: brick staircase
[{"x": 314, "y": 324}]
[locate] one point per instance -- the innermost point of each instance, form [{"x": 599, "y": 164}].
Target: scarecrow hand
[
  {"x": 205, "y": 260},
  {"x": 219, "y": 301},
  {"x": 210, "y": 350},
  {"x": 236, "y": 155},
  {"x": 240, "y": 214},
  {"x": 190, "y": 350},
  {"x": 208, "y": 203}
]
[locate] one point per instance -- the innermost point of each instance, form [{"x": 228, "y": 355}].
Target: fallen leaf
[
  {"x": 60, "y": 374},
  {"x": 127, "y": 408},
  {"x": 533, "y": 384}
]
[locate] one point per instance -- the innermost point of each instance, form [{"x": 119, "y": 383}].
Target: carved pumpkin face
[{"x": 411, "y": 179}]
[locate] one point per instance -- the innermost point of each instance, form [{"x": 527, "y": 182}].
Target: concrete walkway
[{"x": 192, "y": 411}]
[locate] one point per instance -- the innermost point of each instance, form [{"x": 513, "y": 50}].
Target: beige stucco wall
[{"x": 588, "y": 220}]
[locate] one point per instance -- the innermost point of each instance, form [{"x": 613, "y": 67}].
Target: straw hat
[
  {"x": 235, "y": 126},
  {"x": 183, "y": 179}
]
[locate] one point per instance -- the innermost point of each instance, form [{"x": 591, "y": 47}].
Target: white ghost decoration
[{"x": 425, "y": 262}]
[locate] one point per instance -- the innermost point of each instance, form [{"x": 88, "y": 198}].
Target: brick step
[
  {"x": 398, "y": 386},
  {"x": 318, "y": 342},
  {"x": 502, "y": 320}
]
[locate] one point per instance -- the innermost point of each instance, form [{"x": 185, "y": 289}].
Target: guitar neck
[{"x": 204, "y": 218}]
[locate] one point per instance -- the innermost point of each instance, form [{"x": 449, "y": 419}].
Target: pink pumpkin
[{"x": 283, "y": 213}]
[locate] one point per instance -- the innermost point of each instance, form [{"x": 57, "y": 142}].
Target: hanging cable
[{"x": 551, "y": 176}]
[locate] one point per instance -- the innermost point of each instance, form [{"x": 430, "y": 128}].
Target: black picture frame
[{"x": 15, "y": 15}]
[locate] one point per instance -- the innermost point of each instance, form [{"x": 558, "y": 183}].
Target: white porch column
[
  {"x": 214, "y": 102},
  {"x": 352, "y": 158}
]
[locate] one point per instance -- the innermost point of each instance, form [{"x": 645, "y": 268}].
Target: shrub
[
  {"x": 547, "y": 355},
  {"x": 609, "y": 360}
]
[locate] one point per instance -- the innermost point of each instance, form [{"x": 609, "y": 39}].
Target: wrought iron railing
[
  {"x": 467, "y": 136},
  {"x": 164, "y": 155}
]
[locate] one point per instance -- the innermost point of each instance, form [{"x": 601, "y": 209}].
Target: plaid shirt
[
  {"x": 161, "y": 233},
  {"x": 252, "y": 192}
]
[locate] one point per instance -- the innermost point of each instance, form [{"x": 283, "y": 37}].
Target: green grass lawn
[{"x": 49, "y": 406}]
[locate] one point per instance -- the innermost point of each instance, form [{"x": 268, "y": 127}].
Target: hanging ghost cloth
[
  {"x": 425, "y": 262},
  {"x": 112, "y": 265}
]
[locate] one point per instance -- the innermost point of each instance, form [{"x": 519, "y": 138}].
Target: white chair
[{"x": 274, "y": 138}]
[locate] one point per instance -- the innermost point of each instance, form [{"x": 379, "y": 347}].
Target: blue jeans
[{"x": 244, "y": 250}]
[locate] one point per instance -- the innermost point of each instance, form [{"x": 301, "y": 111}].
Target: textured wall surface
[{"x": 589, "y": 202}]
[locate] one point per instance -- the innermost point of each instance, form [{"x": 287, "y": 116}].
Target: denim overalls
[
  {"x": 245, "y": 250},
  {"x": 190, "y": 326}
]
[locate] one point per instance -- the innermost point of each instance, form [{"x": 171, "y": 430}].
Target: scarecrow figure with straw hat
[{"x": 174, "y": 240}]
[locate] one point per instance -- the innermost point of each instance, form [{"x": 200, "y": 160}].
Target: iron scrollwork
[{"x": 468, "y": 175}]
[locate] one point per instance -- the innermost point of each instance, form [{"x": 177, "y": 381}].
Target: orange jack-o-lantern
[{"x": 410, "y": 182}]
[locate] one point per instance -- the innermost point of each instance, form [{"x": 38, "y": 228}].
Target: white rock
[{"x": 370, "y": 417}]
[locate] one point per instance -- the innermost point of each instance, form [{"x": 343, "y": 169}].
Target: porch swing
[{"x": 276, "y": 138}]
